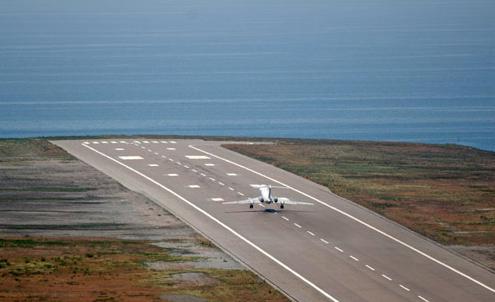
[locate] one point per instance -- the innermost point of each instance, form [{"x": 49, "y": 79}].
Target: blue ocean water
[{"x": 406, "y": 70}]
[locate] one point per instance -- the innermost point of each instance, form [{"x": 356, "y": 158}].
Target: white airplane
[{"x": 267, "y": 198}]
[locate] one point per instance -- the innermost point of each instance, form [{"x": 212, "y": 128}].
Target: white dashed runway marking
[
  {"x": 210, "y": 165},
  {"x": 404, "y": 288},
  {"x": 231, "y": 174},
  {"x": 311, "y": 233},
  {"x": 119, "y": 149},
  {"x": 353, "y": 258},
  {"x": 130, "y": 157},
  {"x": 387, "y": 277},
  {"x": 193, "y": 186},
  {"x": 297, "y": 225},
  {"x": 338, "y": 249},
  {"x": 324, "y": 241},
  {"x": 371, "y": 268},
  {"x": 172, "y": 174},
  {"x": 216, "y": 199},
  {"x": 152, "y": 165},
  {"x": 171, "y": 149}
]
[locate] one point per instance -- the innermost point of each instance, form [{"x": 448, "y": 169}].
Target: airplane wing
[
  {"x": 286, "y": 200},
  {"x": 245, "y": 201}
]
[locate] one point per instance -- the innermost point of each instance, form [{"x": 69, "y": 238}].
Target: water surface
[{"x": 349, "y": 69}]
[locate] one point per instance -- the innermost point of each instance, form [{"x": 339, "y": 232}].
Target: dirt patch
[
  {"x": 182, "y": 298},
  {"x": 197, "y": 279}
]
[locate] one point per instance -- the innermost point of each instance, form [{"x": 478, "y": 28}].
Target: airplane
[{"x": 267, "y": 198}]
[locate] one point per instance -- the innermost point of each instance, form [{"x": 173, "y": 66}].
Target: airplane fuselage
[{"x": 266, "y": 195}]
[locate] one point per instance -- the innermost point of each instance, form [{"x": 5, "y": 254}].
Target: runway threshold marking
[
  {"x": 216, "y": 220},
  {"x": 197, "y": 157},
  {"x": 130, "y": 157},
  {"x": 352, "y": 218}
]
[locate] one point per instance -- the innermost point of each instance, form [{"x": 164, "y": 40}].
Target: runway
[{"x": 334, "y": 250}]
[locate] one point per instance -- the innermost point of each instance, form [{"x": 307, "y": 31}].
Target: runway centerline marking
[
  {"x": 338, "y": 249},
  {"x": 324, "y": 241},
  {"x": 424, "y": 299},
  {"x": 354, "y": 258},
  {"x": 209, "y": 165},
  {"x": 353, "y": 218},
  {"x": 404, "y": 288},
  {"x": 231, "y": 174},
  {"x": 369, "y": 267},
  {"x": 193, "y": 186},
  {"x": 172, "y": 174},
  {"x": 297, "y": 225},
  {"x": 171, "y": 149},
  {"x": 386, "y": 277},
  {"x": 311, "y": 233},
  {"x": 285, "y": 218},
  {"x": 119, "y": 149},
  {"x": 216, "y": 199},
  {"x": 152, "y": 165},
  {"x": 216, "y": 220}
]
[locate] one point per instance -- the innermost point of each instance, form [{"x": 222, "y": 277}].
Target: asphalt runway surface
[{"x": 334, "y": 250}]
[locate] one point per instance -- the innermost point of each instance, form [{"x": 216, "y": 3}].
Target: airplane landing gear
[
  {"x": 251, "y": 206},
  {"x": 281, "y": 205}
]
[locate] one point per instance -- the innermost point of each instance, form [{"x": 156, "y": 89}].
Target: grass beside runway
[{"x": 444, "y": 192}]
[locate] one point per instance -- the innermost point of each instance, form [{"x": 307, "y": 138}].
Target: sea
[{"x": 386, "y": 70}]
